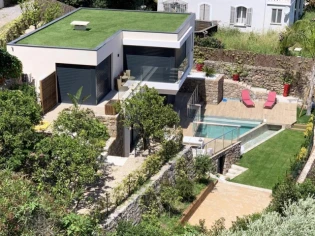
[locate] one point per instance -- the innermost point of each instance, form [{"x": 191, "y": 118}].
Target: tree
[
  {"x": 146, "y": 112},
  {"x": 302, "y": 33},
  {"x": 203, "y": 166},
  {"x": 10, "y": 66},
  {"x": 19, "y": 112}
]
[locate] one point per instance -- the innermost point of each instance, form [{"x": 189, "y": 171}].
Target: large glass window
[{"x": 276, "y": 16}]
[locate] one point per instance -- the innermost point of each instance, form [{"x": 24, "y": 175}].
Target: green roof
[{"x": 103, "y": 24}]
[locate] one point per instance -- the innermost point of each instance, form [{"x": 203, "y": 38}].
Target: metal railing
[{"x": 219, "y": 143}]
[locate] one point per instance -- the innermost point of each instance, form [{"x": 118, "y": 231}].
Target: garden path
[{"x": 229, "y": 200}]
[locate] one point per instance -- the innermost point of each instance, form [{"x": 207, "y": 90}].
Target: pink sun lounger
[{"x": 246, "y": 98}]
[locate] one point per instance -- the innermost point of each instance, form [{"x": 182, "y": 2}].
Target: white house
[
  {"x": 246, "y": 15},
  {"x": 92, "y": 47}
]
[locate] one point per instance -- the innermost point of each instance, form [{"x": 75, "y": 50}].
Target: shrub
[
  {"x": 185, "y": 188},
  {"x": 242, "y": 223},
  {"x": 208, "y": 42},
  {"x": 203, "y": 165}
]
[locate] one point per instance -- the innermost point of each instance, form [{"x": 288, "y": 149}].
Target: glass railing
[{"x": 219, "y": 143}]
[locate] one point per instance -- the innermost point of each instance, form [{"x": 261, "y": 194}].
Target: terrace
[{"x": 102, "y": 25}]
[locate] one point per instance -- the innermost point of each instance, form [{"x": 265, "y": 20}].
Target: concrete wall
[
  {"x": 261, "y": 18},
  {"x": 131, "y": 209},
  {"x": 1, "y": 4}
]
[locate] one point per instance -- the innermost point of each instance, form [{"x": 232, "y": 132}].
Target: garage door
[{"x": 71, "y": 77}]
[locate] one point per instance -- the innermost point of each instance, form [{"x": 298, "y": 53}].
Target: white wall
[
  {"x": 220, "y": 10},
  {"x": 1, "y": 4}
]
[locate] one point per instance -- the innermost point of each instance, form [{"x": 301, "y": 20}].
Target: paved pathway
[
  {"x": 8, "y": 14},
  {"x": 229, "y": 200}
]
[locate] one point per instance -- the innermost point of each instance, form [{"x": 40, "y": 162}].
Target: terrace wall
[
  {"x": 265, "y": 71},
  {"x": 131, "y": 209}
]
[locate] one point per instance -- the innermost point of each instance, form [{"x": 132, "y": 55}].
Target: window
[
  {"x": 175, "y": 6},
  {"x": 276, "y": 16},
  {"x": 204, "y": 12},
  {"x": 241, "y": 16},
  {"x": 241, "y": 13}
]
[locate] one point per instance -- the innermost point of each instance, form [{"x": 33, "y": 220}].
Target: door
[
  {"x": 204, "y": 13},
  {"x": 221, "y": 161},
  {"x": 48, "y": 92}
]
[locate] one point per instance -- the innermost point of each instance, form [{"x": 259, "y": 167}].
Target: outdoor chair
[
  {"x": 246, "y": 99},
  {"x": 271, "y": 100}
]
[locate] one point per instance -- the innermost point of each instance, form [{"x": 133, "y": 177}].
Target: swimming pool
[{"x": 214, "y": 127}]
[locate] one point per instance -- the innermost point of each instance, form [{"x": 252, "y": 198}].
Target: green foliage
[
  {"x": 19, "y": 112},
  {"x": 75, "y": 224},
  {"x": 13, "y": 30},
  {"x": 208, "y": 42},
  {"x": 10, "y": 66},
  {"x": 242, "y": 223},
  {"x": 297, "y": 219},
  {"x": 65, "y": 165},
  {"x": 231, "y": 38},
  {"x": 203, "y": 166},
  {"x": 145, "y": 111},
  {"x": 40, "y": 11},
  {"x": 185, "y": 188},
  {"x": 81, "y": 123},
  {"x": 210, "y": 71},
  {"x": 169, "y": 196}
]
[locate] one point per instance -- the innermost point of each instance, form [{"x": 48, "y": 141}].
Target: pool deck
[{"x": 280, "y": 114}]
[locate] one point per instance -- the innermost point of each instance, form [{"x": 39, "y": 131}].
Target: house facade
[
  {"x": 246, "y": 15},
  {"x": 113, "y": 42}
]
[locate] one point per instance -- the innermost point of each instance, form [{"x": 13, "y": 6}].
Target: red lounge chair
[
  {"x": 271, "y": 100},
  {"x": 246, "y": 99}
]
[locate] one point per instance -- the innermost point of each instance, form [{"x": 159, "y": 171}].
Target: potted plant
[
  {"x": 210, "y": 71},
  {"x": 287, "y": 81},
  {"x": 237, "y": 72},
  {"x": 199, "y": 64}
]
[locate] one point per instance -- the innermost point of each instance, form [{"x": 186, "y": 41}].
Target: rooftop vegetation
[{"x": 103, "y": 24}]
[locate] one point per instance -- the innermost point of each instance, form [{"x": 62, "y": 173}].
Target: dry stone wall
[
  {"x": 231, "y": 155},
  {"x": 115, "y": 129},
  {"x": 265, "y": 77},
  {"x": 131, "y": 210}
]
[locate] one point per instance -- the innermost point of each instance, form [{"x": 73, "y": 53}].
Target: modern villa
[
  {"x": 246, "y": 15},
  {"x": 93, "y": 47}
]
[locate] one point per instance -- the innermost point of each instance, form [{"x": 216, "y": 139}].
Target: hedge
[{"x": 13, "y": 30}]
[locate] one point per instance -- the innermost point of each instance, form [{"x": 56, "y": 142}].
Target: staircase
[
  {"x": 234, "y": 171},
  {"x": 299, "y": 127}
]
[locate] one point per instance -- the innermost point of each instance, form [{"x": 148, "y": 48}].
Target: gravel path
[{"x": 8, "y": 14}]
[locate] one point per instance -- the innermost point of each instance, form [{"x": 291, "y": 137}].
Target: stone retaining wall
[
  {"x": 115, "y": 129},
  {"x": 232, "y": 155},
  {"x": 265, "y": 77},
  {"x": 210, "y": 90},
  {"x": 130, "y": 210}
]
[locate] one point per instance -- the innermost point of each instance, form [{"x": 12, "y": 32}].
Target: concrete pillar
[{"x": 126, "y": 144}]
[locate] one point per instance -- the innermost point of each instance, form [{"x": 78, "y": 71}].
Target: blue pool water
[{"x": 214, "y": 131}]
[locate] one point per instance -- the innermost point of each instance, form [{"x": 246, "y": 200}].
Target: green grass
[
  {"x": 103, "y": 24},
  {"x": 304, "y": 118},
  {"x": 269, "y": 162},
  {"x": 267, "y": 43}
]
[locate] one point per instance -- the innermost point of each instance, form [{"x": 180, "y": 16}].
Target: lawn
[
  {"x": 303, "y": 119},
  {"x": 267, "y": 43},
  {"x": 103, "y": 24},
  {"x": 269, "y": 162}
]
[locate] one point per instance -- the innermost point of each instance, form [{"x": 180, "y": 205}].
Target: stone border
[{"x": 196, "y": 203}]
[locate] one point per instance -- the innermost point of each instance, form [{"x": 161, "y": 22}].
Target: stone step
[
  {"x": 299, "y": 126},
  {"x": 229, "y": 175},
  {"x": 298, "y": 129},
  {"x": 240, "y": 168},
  {"x": 233, "y": 171}
]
